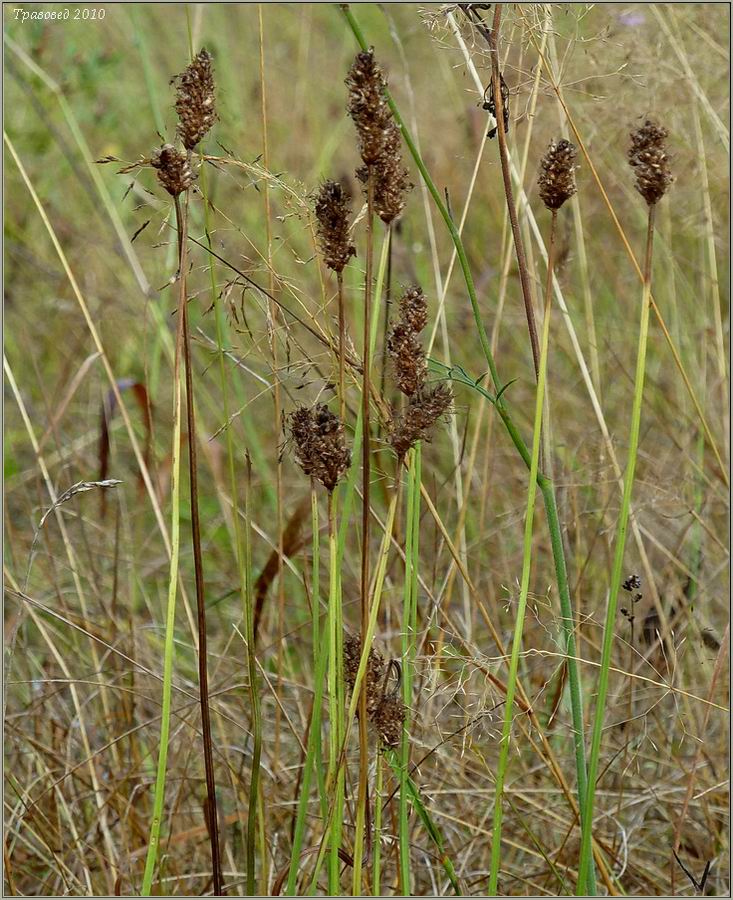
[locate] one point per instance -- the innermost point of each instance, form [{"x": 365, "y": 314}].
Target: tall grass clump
[{"x": 497, "y": 399}]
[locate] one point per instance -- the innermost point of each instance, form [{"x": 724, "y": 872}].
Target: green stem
[
  {"x": 160, "y": 778},
  {"x": 379, "y": 576},
  {"x": 617, "y": 569},
  {"x": 335, "y": 710},
  {"x": 524, "y": 586},
  {"x": 409, "y": 623},
  {"x": 377, "y": 854}
]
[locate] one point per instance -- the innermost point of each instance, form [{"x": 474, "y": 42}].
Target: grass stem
[{"x": 617, "y": 569}]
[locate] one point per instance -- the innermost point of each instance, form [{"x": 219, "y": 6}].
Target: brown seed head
[
  {"x": 419, "y": 417},
  {"x": 320, "y": 448},
  {"x": 408, "y": 358},
  {"x": 367, "y": 105},
  {"x": 389, "y": 720},
  {"x": 414, "y": 308},
  {"x": 374, "y": 675},
  {"x": 174, "y": 171},
  {"x": 648, "y": 157},
  {"x": 391, "y": 182},
  {"x": 332, "y": 215},
  {"x": 195, "y": 100},
  {"x": 557, "y": 179}
]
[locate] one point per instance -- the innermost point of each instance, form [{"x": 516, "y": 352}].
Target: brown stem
[
  {"x": 493, "y": 38},
  {"x": 212, "y": 813}
]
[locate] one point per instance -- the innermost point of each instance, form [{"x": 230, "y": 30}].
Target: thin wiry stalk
[
  {"x": 508, "y": 191},
  {"x": 526, "y": 570},
  {"x": 377, "y": 854},
  {"x": 335, "y": 710},
  {"x": 366, "y": 450},
  {"x": 212, "y": 810},
  {"x": 243, "y": 568},
  {"x": 168, "y": 647},
  {"x": 277, "y": 405},
  {"x": 313, "y": 752},
  {"x": 409, "y": 622},
  {"x": 342, "y": 346},
  {"x": 545, "y": 485},
  {"x": 618, "y": 562},
  {"x": 254, "y": 785}
]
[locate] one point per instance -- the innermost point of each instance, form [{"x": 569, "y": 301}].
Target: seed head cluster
[
  {"x": 557, "y": 174},
  {"x": 416, "y": 423},
  {"x": 173, "y": 168},
  {"x": 332, "y": 217},
  {"x": 196, "y": 100},
  {"x": 648, "y": 158},
  {"x": 403, "y": 343},
  {"x": 320, "y": 448},
  {"x": 379, "y": 137},
  {"x": 367, "y": 105},
  {"x": 385, "y": 711},
  {"x": 425, "y": 405}
]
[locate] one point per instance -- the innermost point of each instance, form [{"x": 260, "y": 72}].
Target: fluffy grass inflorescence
[
  {"x": 320, "y": 447},
  {"x": 196, "y": 100},
  {"x": 648, "y": 158}
]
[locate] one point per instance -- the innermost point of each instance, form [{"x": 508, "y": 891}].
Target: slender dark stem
[
  {"x": 508, "y": 191},
  {"x": 212, "y": 812},
  {"x": 254, "y": 786}
]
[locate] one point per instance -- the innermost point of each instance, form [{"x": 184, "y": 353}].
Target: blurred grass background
[{"x": 102, "y": 87}]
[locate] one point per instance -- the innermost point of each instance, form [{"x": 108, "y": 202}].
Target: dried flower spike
[
  {"x": 374, "y": 675},
  {"x": 557, "y": 178},
  {"x": 332, "y": 215},
  {"x": 389, "y": 720},
  {"x": 320, "y": 448},
  {"x": 408, "y": 358},
  {"x": 367, "y": 105},
  {"x": 174, "y": 171},
  {"x": 420, "y": 415},
  {"x": 391, "y": 182},
  {"x": 414, "y": 308},
  {"x": 648, "y": 157},
  {"x": 195, "y": 100}
]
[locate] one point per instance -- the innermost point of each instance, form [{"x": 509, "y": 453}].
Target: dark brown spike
[
  {"x": 174, "y": 171},
  {"x": 332, "y": 215},
  {"x": 419, "y": 417},
  {"x": 648, "y": 158},
  {"x": 320, "y": 448},
  {"x": 557, "y": 176},
  {"x": 196, "y": 100}
]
